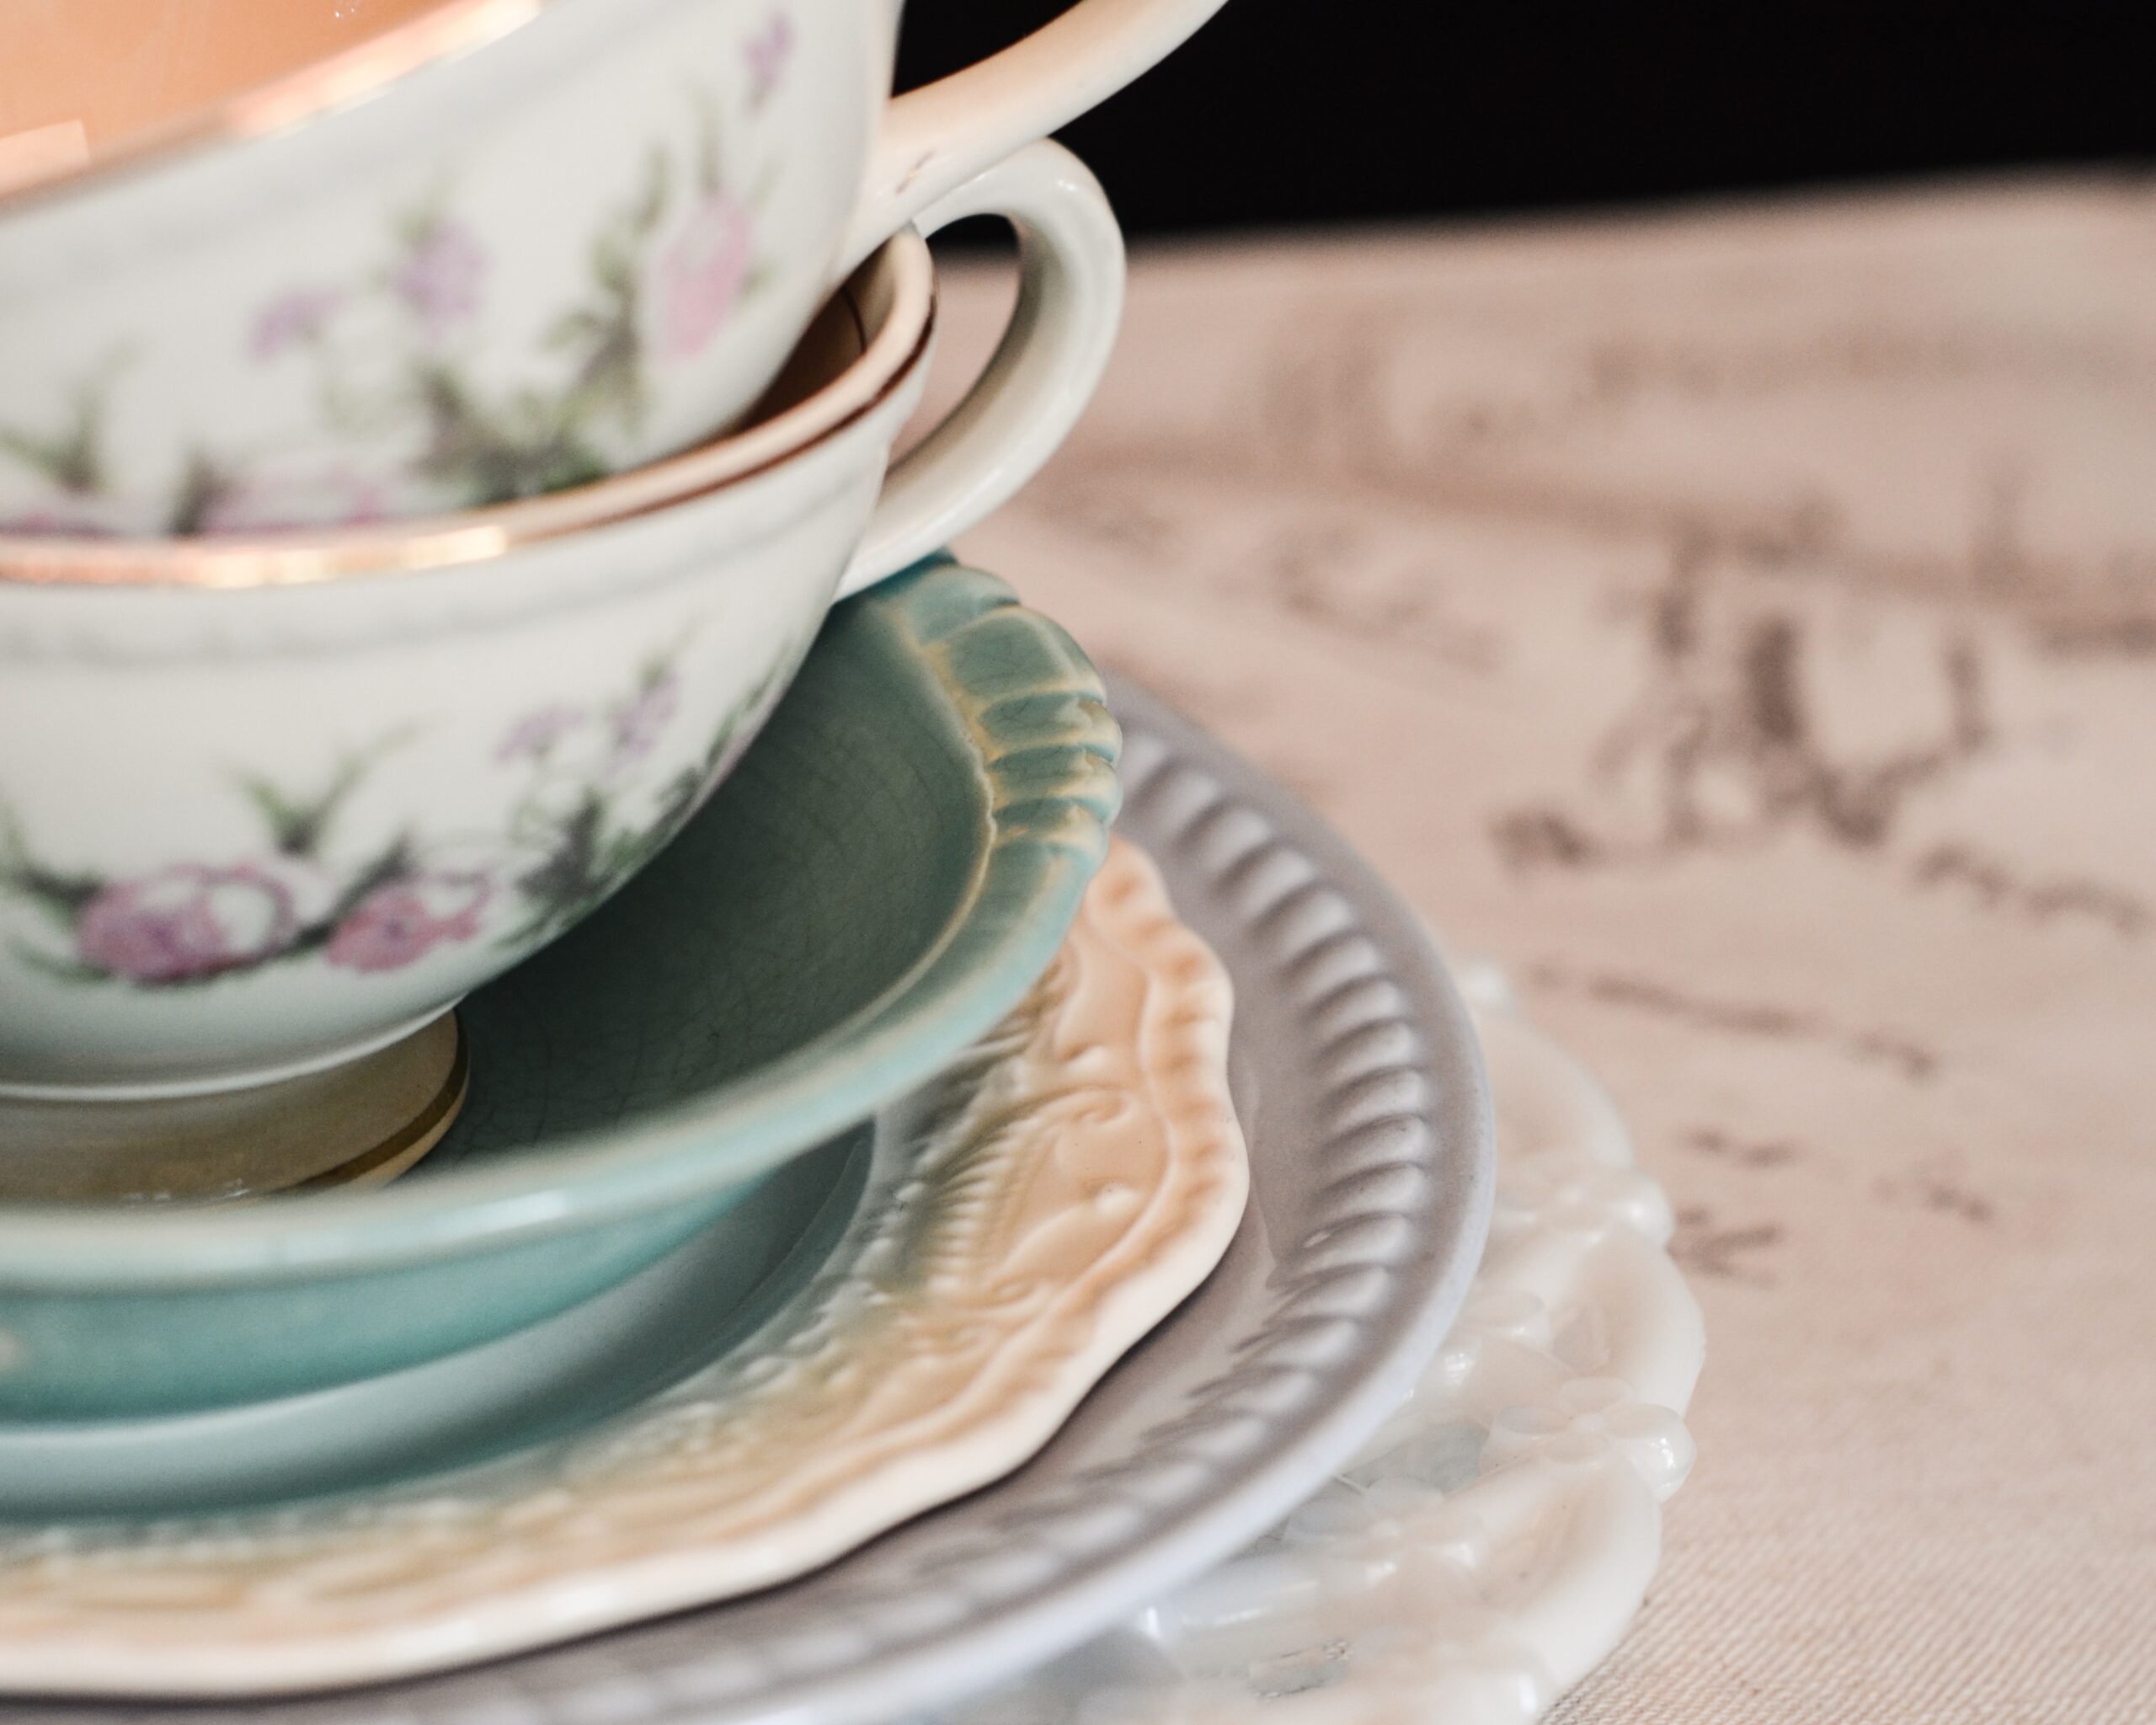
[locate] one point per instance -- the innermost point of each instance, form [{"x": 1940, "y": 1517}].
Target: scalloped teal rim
[{"x": 1030, "y": 705}]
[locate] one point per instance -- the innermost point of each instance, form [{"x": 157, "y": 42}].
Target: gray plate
[{"x": 1363, "y": 1096}]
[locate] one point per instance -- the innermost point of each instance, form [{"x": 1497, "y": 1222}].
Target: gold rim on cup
[
  {"x": 344, "y": 76},
  {"x": 443, "y": 542}
]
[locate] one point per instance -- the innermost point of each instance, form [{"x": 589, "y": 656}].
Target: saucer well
[
  {"x": 561, "y": 1374},
  {"x": 1026, "y": 1219},
  {"x": 1363, "y": 1104},
  {"x": 879, "y": 882}
]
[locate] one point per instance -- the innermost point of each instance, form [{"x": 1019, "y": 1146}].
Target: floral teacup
[
  {"x": 267, "y": 806},
  {"x": 492, "y": 250}
]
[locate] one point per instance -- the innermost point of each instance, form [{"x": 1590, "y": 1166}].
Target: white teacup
[
  {"x": 268, "y": 806},
  {"x": 469, "y": 251}
]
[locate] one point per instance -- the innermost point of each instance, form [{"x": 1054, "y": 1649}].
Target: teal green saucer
[
  {"x": 560, "y": 1375},
  {"x": 881, "y": 878}
]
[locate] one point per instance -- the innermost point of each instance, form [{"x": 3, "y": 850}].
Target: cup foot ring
[{"x": 358, "y": 1124}]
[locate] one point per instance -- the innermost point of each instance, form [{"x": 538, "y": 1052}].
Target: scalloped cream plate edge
[
  {"x": 1058, "y": 1193},
  {"x": 1555, "y": 1409}
]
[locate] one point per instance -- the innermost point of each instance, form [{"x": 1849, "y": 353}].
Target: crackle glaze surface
[
  {"x": 292, "y": 822},
  {"x": 1363, "y": 1100},
  {"x": 1050, "y": 1198},
  {"x": 919, "y": 819}
]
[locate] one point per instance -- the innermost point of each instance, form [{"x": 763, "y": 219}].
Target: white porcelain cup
[
  {"x": 266, "y": 806},
  {"x": 498, "y": 248}
]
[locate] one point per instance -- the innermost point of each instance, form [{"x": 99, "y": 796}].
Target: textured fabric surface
[{"x": 1742, "y": 625}]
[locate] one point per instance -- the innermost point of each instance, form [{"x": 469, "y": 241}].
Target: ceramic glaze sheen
[
  {"x": 249, "y": 833},
  {"x": 920, "y": 818},
  {"x": 499, "y": 250},
  {"x": 1358, "y": 1087},
  {"x": 1069, "y": 1181},
  {"x": 91, "y": 75}
]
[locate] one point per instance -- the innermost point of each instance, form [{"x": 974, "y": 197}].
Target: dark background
[{"x": 1291, "y": 112}]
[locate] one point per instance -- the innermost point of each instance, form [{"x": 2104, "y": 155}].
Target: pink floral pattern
[
  {"x": 767, "y": 53},
  {"x": 584, "y": 821},
  {"x": 440, "y": 275},
  {"x": 61, "y": 516},
  {"x": 536, "y": 736},
  {"x": 185, "y": 923},
  {"x": 403, "y": 921},
  {"x": 412, "y": 388},
  {"x": 703, "y": 272},
  {"x": 638, "y": 721},
  {"x": 298, "y": 315},
  {"x": 270, "y": 503}
]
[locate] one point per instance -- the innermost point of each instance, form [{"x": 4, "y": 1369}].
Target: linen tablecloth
[{"x": 1741, "y": 623}]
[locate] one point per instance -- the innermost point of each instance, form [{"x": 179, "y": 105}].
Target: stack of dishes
[{"x": 549, "y": 1072}]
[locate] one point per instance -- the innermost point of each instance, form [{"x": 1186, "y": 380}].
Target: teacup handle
[
  {"x": 933, "y": 140},
  {"x": 1044, "y": 371}
]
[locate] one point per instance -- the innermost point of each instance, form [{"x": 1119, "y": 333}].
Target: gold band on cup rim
[
  {"x": 453, "y": 27},
  {"x": 444, "y": 541}
]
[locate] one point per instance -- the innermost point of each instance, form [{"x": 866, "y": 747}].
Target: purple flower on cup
[
  {"x": 440, "y": 274},
  {"x": 533, "y": 737},
  {"x": 185, "y": 923},
  {"x": 58, "y": 518},
  {"x": 280, "y": 502},
  {"x": 299, "y": 314},
  {"x": 703, "y": 272},
  {"x": 638, "y": 725},
  {"x": 402, "y": 920},
  {"x": 767, "y": 52}
]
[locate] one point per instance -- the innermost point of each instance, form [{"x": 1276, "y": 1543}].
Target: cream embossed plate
[
  {"x": 1491, "y": 1544},
  {"x": 1026, "y": 1219},
  {"x": 1363, "y": 1099}
]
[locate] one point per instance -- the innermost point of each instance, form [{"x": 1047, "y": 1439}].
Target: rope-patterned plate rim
[{"x": 1346, "y": 1016}]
